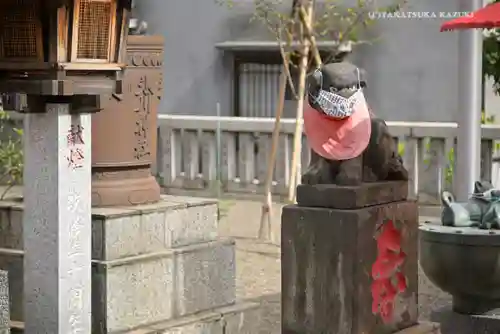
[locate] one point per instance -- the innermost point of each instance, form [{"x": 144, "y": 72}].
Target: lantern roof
[{"x": 63, "y": 47}]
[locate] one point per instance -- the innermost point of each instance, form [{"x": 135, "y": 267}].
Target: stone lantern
[
  {"x": 62, "y": 54},
  {"x": 62, "y": 47}
]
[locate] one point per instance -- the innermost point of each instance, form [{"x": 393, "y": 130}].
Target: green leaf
[{"x": 11, "y": 152}]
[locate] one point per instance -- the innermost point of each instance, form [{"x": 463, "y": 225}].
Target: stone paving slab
[{"x": 422, "y": 328}]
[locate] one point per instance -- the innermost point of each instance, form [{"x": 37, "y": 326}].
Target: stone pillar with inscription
[
  {"x": 125, "y": 131},
  {"x": 57, "y": 220}
]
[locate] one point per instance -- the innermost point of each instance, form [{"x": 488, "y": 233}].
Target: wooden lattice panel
[
  {"x": 20, "y": 30},
  {"x": 95, "y": 29}
]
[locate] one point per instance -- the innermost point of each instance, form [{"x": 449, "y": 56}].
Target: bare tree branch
[{"x": 286, "y": 67}]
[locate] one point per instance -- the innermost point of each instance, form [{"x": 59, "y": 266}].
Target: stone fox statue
[{"x": 349, "y": 144}]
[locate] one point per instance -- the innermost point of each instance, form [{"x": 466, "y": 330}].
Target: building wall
[
  {"x": 196, "y": 75},
  {"x": 412, "y": 67}
]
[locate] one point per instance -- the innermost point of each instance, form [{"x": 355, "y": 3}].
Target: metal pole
[
  {"x": 468, "y": 162},
  {"x": 218, "y": 152}
]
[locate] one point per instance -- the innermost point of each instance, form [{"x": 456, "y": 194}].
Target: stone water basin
[{"x": 464, "y": 262}]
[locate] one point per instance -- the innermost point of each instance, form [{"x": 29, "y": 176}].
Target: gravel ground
[
  {"x": 258, "y": 265},
  {"x": 259, "y": 278}
]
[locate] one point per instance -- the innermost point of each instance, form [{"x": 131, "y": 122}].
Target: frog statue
[
  {"x": 481, "y": 210},
  {"x": 350, "y": 145}
]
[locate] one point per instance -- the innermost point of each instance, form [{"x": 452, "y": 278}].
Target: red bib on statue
[{"x": 338, "y": 139}]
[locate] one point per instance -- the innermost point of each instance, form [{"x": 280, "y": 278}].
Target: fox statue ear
[
  {"x": 363, "y": 78},
  {"x": 314, "y": 82}
]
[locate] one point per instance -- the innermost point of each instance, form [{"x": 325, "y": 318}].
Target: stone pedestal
[
  {"x": 332, "y": 260},
  {"x": 57, "y": 223},
  {"x": 153, "y": 266}
]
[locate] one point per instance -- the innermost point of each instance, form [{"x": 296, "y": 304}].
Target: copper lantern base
[
  {"x": 124, "y": 133},
  {"x": 123, "y": 187}
]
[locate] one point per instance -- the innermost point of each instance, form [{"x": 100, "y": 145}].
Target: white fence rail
[
  {"x": 207, "y": 155},
  {"x": 231, "y": 153}
]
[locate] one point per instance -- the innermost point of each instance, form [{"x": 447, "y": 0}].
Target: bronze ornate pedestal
[{"x": 124, "y": 133}]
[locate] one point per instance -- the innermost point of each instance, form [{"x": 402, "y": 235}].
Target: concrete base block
[
  {"x": 127, "y": 231},
  {"x": 147, "y": 289},
  {"x": 150, "y": 263},
  {"x": 241, "y": 318},
  {"x": 144, "y": 229},
  {"x": 4, "y": 303},
  {"x": 13, "y": 263}
]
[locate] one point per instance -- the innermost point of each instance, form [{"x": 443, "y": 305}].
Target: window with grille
[
  {"x": 258, "y": 89},
  {"x": 93, "y": 30},
  {"x": 20, "y": 30}
]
